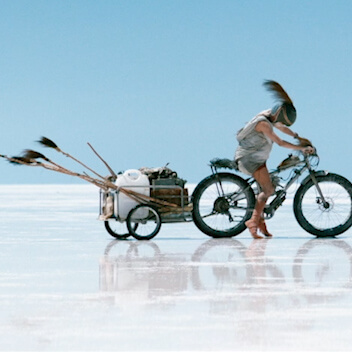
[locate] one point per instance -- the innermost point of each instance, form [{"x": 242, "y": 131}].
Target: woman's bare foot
[
  {"x": 252, "y": 226},
  {"x": 263, "y": 229}
]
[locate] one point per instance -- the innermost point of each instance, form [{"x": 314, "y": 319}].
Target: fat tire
[
  {"x": 212, "y": 180},
  {"x": 306, "y": 224}
]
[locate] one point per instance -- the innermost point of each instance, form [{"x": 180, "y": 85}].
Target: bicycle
[{"x": 224, "y": 201}]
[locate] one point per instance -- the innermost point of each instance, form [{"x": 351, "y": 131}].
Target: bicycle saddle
[{"x": 223, "y": 163}]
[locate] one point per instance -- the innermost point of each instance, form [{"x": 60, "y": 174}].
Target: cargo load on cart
[
  {"x": 141, "y": 198},
  {"x": 144, "y": 198}
]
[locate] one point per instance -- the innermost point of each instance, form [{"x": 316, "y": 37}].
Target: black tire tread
[
  {"x": 202, "y": 186},
  {"x": 297, "y": 206}
]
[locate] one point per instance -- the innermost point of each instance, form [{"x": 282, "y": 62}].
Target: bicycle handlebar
[{"x": 314, "y": 152}]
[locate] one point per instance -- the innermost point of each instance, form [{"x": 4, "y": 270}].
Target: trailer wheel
[{"x": 143, "y": 222}]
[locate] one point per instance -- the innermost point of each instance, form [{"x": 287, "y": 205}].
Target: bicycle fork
[
  {"x": 326, "y": 204},
  {"x": 322, "y": 199}
]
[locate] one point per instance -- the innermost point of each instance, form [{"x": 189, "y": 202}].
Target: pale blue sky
[{"x": 151, "y": 82}]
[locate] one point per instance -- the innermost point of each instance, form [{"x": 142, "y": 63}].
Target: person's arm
[
  {"x": 266, "y": 129},
  {"x": 303, "y": 142},
  {"x": 283, "y": 128}
]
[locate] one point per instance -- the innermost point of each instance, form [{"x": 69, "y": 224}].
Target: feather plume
[
  {"x": 19, "y": 160},
  {"x": 46, "y": 142},
  {"x": 277, "y": 91},
  {"x": 32, "y": 154}
]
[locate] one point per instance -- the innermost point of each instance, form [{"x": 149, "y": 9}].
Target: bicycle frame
[{"x": 299, "y": 169}]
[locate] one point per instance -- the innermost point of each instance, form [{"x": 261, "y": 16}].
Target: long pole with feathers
[
  {"x": 141, "y": 198},
  {"x": 112, "y": 172},
  {"x": 23, "y": 160},
  {"x": 46, "y": 142},
  {"x": 30, "y": 158}
]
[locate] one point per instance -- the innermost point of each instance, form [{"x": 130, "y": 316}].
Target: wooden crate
[{"x": 171, "y": 195}]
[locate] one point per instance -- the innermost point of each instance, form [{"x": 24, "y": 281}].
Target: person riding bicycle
[{"x": 255, "y": 143}]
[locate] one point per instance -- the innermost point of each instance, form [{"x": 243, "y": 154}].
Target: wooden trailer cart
[{"x": 142, "y": 202}]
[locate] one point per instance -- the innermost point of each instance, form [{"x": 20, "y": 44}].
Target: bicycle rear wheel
[
  {"x": 222, "y": 203},
  {"x": 324, "y": 219}
]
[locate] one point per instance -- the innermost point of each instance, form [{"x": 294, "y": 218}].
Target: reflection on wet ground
[
  {"x": 251, "y": 299},
  {"x": 64, "y": 285},
  {"x": 223, "y": 266},
  {"x": 180, "y": 294}
]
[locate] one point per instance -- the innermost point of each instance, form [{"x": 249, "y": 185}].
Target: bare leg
[{"x": 256, "y": 221}]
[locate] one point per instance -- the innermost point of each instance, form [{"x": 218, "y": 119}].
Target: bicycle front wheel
[
  {"x": 325, "y": 216},
  {"x": 222, "y": 203}
]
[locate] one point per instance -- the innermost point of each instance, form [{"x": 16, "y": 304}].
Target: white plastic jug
[{"x": 135, "y": 181}]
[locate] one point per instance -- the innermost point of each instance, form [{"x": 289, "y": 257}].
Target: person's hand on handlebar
[
  {"x": 306, "y": 144},
  {"x": 308, "y": 150}
]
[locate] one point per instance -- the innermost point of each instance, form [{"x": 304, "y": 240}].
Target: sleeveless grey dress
[{"x": 254, "y": 147}]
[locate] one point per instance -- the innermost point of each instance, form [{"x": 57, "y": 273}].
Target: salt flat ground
[{"x": 66, "y": 285}]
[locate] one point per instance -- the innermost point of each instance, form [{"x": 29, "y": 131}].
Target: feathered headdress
[
  {"x": 277, "y": 91},
  {"x": 287, "y": 114}
]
